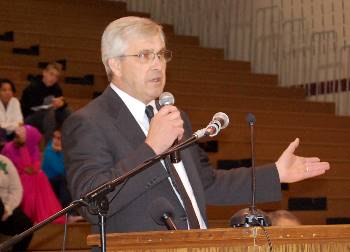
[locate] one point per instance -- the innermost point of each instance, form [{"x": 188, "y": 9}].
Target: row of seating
[{"x": 203, "y": 83}]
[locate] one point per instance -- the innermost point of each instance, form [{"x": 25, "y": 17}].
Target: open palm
[{"x": 293, "y": 168}]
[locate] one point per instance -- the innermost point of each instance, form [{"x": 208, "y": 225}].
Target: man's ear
[{"x": 115, "y": 66}]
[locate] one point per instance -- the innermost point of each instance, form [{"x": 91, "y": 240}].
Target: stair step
[
  {"x": 225, "y": 103},
  {"x": 50, "y": 237},
  {"x": 96, "y": 66},
  {"x": 297, "y": 119},
  {"x": 241, "y": 132},
  {"x": 271, "y": 150}
]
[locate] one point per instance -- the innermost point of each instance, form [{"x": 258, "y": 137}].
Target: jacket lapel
[
  {"x": 129, "y": 128},
  {"x": 123, "y": 119}
]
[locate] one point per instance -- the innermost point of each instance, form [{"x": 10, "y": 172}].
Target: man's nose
[{"x": 157, "y": 61}]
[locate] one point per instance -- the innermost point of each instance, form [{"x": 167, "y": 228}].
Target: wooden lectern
[{"x": 287, "y": 239}]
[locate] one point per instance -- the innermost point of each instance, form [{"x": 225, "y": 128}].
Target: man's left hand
[{"x": 293, "y": 168}]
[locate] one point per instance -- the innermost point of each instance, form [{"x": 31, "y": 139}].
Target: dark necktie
[{"x": 191, "y": 215}]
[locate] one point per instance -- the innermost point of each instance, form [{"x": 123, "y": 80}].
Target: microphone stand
[
  {"x": 16, "y": 238},
  {"x": 251, "y": 217},
  {"x": 96, "y": 199}
]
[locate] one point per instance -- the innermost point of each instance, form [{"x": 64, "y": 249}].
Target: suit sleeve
[
  {"x": 233, "y": 187},
  {"x": 89, "y": 159}
]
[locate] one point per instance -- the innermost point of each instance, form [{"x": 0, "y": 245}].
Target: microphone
[
  {"x": 162, "y": 212},
  {"x": 212, "y": 129},
  {"x": 166, "y": 98},
  {"x": 250, "y": 217},
  {"x": 220, "y": 121},
  {"x": 250, "y": 119}
]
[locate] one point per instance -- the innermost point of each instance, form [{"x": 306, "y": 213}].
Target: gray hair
[{"x": 116, "y": 35}]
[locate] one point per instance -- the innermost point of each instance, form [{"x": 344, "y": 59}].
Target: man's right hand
[{"x": 165, "y": 127}]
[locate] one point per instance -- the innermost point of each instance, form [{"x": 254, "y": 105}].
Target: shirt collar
[{"x": 136, "y": 107}]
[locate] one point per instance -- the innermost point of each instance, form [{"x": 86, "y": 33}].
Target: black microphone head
[
  {"x": 159, "y": 209},
  {"x": 222, "y": 118},
  {"x": 166, "y": 98},
  {"x": 250, "y": 118}
]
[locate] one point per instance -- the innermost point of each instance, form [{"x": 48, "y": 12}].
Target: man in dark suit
[{"x": 112, "y": 135}]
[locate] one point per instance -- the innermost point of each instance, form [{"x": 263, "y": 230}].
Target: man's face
[
  {"x": 144, "y": 81},
  {"x": 50, "y": 76}
]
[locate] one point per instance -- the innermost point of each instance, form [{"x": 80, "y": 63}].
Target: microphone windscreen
[
  {"x": 158, "y": 208},
  {"x": 222, "y": 118},
  {"x": 250, "y": 118},
  {"x": 166, "y": 98}
]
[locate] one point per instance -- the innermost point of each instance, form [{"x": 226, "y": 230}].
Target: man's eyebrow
[{"x": 151, "y": 50}]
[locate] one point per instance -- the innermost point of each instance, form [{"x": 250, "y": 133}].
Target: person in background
[
  {"x": 39, "y": 201},
  {"x": 53, "y": 166},
  {"x": 43, "y": 104},
  {"x": 283, "y": 218},
  {"x": 12, "y": 220},
  {"x": 10, "y": 111}
]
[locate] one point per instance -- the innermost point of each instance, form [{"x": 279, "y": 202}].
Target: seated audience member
[
  {"x": 10, "y": 110},
  {"x": 53, "y": 166},
  {"x": 42, "y": 101},
  {"x": 283, "y": 218},
  {"x": 13, "y": 220},
  {"x": 39, "y": 201}
]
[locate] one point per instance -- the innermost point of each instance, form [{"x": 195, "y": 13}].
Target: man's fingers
[
  {"x": 175, "y": 115},
  {"x": 293, "y": 145},
  {"x": 315, "y": 169},
  {"x": 312, "y": 159},
  {"x": 318, "y": 166},
  {"x": 314, "y": 173},
  {"x": 181, "y": 133},
  {"x": 172, "y": 114},
  {"x": 167, "y": 109}
]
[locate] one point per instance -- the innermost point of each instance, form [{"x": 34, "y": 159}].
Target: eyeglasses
[{"x": 147, "y": 56}]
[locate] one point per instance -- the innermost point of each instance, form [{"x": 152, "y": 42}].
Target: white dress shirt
[
  {"x": 11, "y": 116},
  {"x": 137, "y": 109}
]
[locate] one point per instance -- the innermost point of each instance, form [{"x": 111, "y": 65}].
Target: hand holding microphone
[{"x": 165, "y": 127}]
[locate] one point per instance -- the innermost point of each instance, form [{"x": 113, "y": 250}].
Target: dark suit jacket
[{"x": 103, "y": 141}]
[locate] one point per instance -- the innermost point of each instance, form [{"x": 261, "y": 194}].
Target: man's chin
[{"x": 158, "y": 94}]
